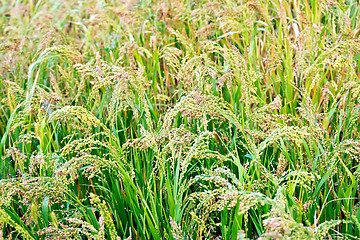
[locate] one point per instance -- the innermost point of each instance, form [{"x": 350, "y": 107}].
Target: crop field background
[{"x": 179, "y": 119}]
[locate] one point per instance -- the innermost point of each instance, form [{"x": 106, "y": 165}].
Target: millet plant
[{"x": 179, "y": 119}]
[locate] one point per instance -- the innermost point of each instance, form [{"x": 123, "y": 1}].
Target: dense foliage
[{"x": 179, "y": 119}]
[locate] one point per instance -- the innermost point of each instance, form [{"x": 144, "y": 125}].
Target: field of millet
[{"x": 179, "y": 119}]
